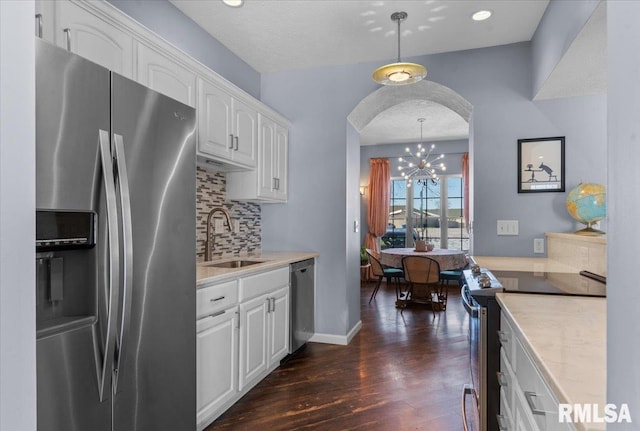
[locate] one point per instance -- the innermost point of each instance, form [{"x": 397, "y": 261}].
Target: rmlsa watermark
[{"x": 592, "y": 413}]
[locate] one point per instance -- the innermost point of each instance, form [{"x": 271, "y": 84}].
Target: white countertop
[
  {"x": 206, "y": 274},
  {"x": 566, "y": 338}
]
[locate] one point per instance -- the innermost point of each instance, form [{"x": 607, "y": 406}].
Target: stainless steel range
[{"x": 482, "y": 395}]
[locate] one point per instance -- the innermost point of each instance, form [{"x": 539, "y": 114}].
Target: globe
[{"x": 587, "y": 203}]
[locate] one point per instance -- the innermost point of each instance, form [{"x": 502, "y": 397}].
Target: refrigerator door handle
[
  {"x": 127, "y": 246},
  {"x": 105, "y": 369}
]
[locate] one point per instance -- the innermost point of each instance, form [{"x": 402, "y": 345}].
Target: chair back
[
  {"x": 376, "y": 266},
  {"x": 421, "y": 270}
]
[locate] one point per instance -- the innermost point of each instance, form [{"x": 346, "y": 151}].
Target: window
[{"x": 431, "y": 203}]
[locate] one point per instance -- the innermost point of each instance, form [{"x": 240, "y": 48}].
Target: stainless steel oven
[{"x": 474, "y": 394}]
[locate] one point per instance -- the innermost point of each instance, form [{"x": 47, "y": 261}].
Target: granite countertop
[
  {"x": 530, "y": 264},
  {"x": 208, "y": 274},
  {"x": 566, "y": 338}
]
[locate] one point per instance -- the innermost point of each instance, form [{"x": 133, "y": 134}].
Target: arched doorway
[{"x": 388, "y": 98}]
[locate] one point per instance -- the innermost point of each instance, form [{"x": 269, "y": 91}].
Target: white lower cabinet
[
  {"x": 526, "y": 401},
  {"x": 240, "y": 345},
  {"x": 217, "y": 361}
]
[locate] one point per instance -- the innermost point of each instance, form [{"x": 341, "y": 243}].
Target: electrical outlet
[
  {"x": 217, "y": 225},
  {"x": 236, "y": 226},
  {"x": 538, "y": 245},
  {"x": 356, "y": 226}
]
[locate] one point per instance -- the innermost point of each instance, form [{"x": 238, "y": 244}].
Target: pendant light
[
  {"x": 422, "y": 164},
  {"x": 399, "y": 73}
]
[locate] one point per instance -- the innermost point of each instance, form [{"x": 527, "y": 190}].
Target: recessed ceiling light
[
  {"x": 233, "y": 3},
  {"x": 481, "y": 15}
]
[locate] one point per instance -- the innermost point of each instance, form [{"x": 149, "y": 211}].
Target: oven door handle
[
  {"x": 466, "y": 390},
  {"x": 472, "y": 309}
]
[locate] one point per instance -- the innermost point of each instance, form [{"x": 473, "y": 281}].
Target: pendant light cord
[{"x": 399, "y": 39}]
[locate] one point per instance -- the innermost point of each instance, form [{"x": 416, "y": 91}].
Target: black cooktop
[{"x": 551, "y": 283}]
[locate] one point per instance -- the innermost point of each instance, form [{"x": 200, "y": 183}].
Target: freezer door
[
  {"x": 72, "y": 104},
  {"x": 156, "y": 386}
]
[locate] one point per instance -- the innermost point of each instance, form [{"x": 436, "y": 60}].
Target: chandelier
[
  {"x": 422, "y": 163},
  {"x": 399, "y": 73}
]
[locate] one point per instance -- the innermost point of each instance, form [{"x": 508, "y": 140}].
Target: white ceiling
[{"x": 280, "y": 35}]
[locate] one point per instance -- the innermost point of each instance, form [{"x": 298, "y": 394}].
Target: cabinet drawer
[
  {"x": 539, "y": 400},
  {"x": 506, "y": 337},
  {"x": 212, "y": 299},
  {"x": 259, "y": 284},
  {"x": 507, "y": 379}
]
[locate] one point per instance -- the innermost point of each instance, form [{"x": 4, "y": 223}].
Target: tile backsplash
[{"x": 211, "y": 193}]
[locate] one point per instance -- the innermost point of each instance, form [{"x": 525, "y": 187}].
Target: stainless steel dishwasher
[{"x": 302, "y": 303}]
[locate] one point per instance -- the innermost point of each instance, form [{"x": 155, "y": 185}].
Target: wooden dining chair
[
  {"x": 424, "y": 271},
  {"x": 381, "y": 272}
]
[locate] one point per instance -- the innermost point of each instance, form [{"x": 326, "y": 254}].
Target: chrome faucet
[{"x": 208, "y": 244}]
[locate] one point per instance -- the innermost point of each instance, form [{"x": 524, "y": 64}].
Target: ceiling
[{"x": 280, "y": 35}]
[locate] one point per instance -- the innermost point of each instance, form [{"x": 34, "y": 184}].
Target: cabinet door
[
  {"x": 160, "y": 73},
  {"x": 245, "y": 128},
  {"x": 214, "y": 111},
  {"x": 280, "y": 163},
  {"x": 266, "y": 152},
  {"x": 217, "y": 359},
  {"x": 253, "y": 339},
  {"x": 279, "y": 321},
  {"x": 93, "y": 38}
]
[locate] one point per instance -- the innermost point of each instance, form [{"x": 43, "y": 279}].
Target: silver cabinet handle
[
  {"x": 273, "y": 301},
  {"x": 277, "y": 183},
  {"x": 529, "y": 396},
  {"x": 39, "y": 25},
  {"x": 502, "y": 379},
  {"x": 105, "y": 368},
  {"x": 501, "y": 423},
  {"x": 217, "y": 299},
  {"x": 466, "y": 390},
  {"x": 238, "y": 318},
  {"x": 268, "y": 305},
  {"x": 67, "y": 35},
  {"x": 127, "y": 248},
  {"x": 503, "y": 337},
  {"x": 230, "y": 142},
  {"x": 235, "y": 138},
  {"x": 275, "y": 187}
]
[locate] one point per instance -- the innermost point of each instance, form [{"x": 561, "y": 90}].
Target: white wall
[
  {"x": 623, "y": 204},
  {"x": 17, "y": 217}
]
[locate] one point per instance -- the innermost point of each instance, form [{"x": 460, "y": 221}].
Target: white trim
[{"x": 341, "y": 340}]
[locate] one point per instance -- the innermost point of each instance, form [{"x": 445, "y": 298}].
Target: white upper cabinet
[
  {"x": 91, "y": 37},
  {"x": 268, "y": 183},
  {"x": 228, "y": 126},
  {"x": 166, "y": 76}
]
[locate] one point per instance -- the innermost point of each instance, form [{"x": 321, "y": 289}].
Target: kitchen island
[{"x": 565, "y": 337}]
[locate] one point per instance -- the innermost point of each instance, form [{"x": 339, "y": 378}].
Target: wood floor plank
[{"x": 402, "y": 371}]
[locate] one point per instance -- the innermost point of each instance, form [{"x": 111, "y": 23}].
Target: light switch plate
[
  {"x": 236, "y": 226},
  {"x": 217, "y": 225},
  {"x": 507, "y": 227}
]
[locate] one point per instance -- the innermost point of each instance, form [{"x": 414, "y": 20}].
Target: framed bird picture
[{"x": 541, "y": 165}]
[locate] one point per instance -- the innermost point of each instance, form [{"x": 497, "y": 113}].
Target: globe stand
[{"x": 589, "y": 231}]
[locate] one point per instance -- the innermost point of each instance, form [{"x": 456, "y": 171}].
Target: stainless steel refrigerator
[{"x": 115, "y": 251}]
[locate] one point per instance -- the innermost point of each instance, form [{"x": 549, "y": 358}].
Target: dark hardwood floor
[{"x": 402, "y": 371}]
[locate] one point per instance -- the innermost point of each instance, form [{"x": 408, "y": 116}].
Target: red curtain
[
  {"x": 465, "y": 184},
  {"x": 377, "y": 202}
]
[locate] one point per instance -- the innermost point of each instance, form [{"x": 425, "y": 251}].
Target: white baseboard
[{"x": 341, "y": 340}]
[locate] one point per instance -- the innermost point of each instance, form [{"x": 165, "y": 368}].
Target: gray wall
[
  {"x": 623, "y": 241},
  {"x": 17, "y": 217},
  {"x": 497, "y": 81},
  {"x": 166, "y": 20},
  {"x": 560, "y": 24}
]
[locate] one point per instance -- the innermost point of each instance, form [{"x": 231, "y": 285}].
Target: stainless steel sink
[{"x": 238, "y": 263}]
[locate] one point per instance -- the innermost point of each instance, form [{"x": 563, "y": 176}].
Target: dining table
[{"x": 446, "y": 258}]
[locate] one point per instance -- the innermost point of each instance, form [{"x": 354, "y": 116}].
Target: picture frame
[{"x": 541, "y": 165}]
